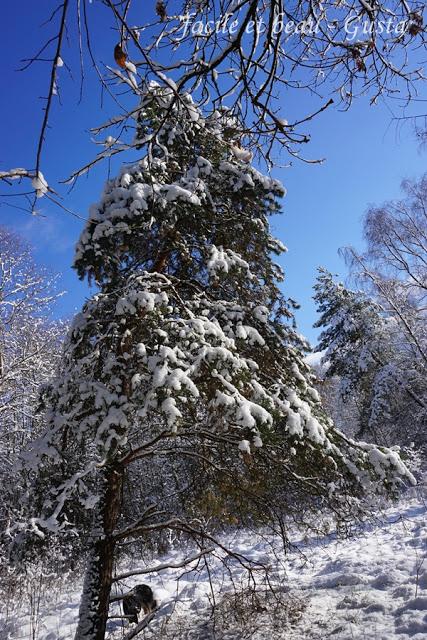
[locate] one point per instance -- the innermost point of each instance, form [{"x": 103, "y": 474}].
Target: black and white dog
[{"x": 140, "y": 597}]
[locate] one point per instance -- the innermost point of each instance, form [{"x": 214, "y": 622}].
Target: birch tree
[{"x": 29, "y": 351}]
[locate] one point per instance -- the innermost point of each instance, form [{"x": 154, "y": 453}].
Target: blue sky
[{"x": 367, "y": 156}]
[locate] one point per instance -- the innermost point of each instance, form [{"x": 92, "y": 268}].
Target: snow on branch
[{"x": 161, "y": 567}]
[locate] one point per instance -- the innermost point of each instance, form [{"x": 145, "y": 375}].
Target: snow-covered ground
[{"x": 370, "y": 587}]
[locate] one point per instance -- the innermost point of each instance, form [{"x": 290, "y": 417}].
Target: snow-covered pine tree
[
  {"x": 365, "y": 349},
  {"x": 188, "y": 349}
]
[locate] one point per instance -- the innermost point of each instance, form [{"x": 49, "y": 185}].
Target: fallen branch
[
  {"x": 160, "y": 567},
  {"x": 141, "y": 625}
]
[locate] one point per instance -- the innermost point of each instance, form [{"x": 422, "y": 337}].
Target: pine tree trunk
[{"x": 95, "y": 599}]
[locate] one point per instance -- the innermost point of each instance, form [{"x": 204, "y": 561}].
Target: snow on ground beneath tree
[{"x": 372, "y": 586}]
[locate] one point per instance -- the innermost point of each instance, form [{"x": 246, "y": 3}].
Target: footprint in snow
[
  {"x": 341, "y": 580},
  {"x": 416, "y": 604}
]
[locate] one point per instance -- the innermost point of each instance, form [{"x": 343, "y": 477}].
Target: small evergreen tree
[
  {"x": 187, "y": 355},
  {"x": 366, "y": 351}
]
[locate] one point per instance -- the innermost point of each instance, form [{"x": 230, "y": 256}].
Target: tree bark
[{"x": 95, "y": 598}]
